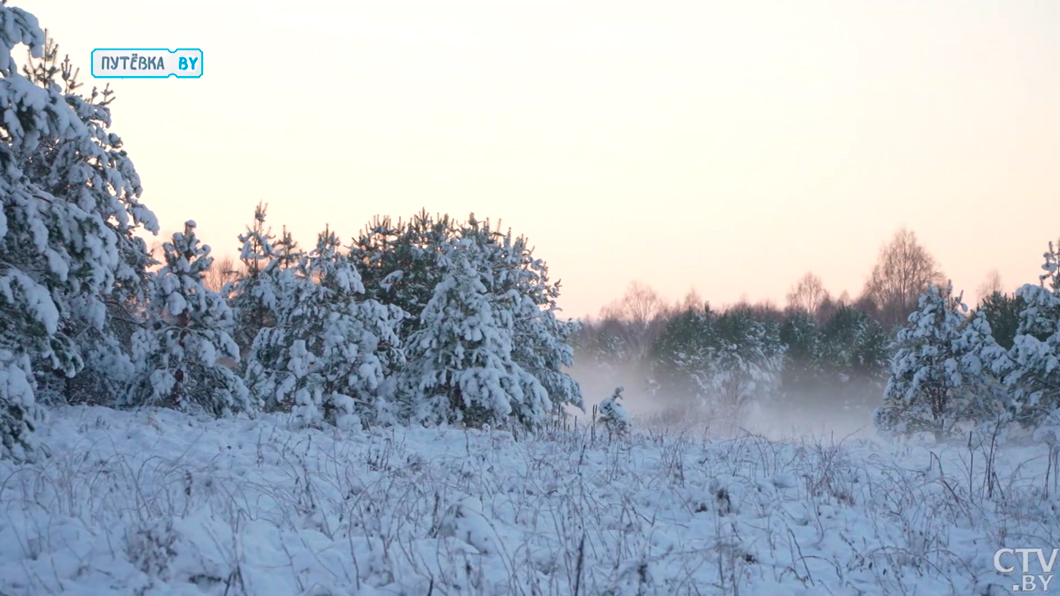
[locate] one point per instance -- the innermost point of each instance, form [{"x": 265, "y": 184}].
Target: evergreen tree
[
  {"x": 802, "y": 344},
  {"x": 100, "y": 323},
  {"x": 264, "y": 287},
  {"x": 1002, "y": 312},
  {"x": 330, "y": 352},
  {"x": 748, "y": 361},
  {"x": 461, "y": 366},
  {"x": 854, "y": 355},
  {"x": 682, "y": 357},
  {"x": 400, "y": 263},
  {"x": 518, "y": 283},
  {"x": 178, "y": 355},
  {"x": 404, "y": 263},
  {"x": 938, "y": 379},
  {"x": 70, "y": 203},
  {"x": 1034, "y": 369},
  {"x": 721, "y": 363}
]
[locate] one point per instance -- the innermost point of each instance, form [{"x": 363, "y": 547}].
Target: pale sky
[{"x": 730, "y": 146}]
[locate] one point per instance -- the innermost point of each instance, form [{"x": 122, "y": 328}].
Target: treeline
[
  {"x": 694, "y": 359},
  {"x": 425, "y": 321},
  {"x": 819, "y": 351}
]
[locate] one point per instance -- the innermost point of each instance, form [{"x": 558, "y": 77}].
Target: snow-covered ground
[{"x": 156, "y": 502}]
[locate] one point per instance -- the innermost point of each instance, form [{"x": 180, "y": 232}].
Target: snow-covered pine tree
[
  {"x": 854, "y": 356},
  {"x": 82, "y": 172},
  {"x": 747, "y": 362},
  {"x": 400, "y": 262},
  {"x": 938, "y": 379},
  {"x": 460, "y": 361},
  {"x": 69, "y": 196},
  {"x": 612, "y": 415},
  {"x": 330, "y": 352},
  {"x": 802, "y": 345},
  {"x": 178, "y": 355},
  {"x": 682, "y": 358},
  {"x": 257, "y": 294},
  {"x": 518, "y": 283},
  {"x": 1035, "y": 355},
  {"x": 1002, "y": 311}
]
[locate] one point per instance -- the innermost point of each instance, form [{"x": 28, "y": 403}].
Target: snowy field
[{"x": 157, "y": 502}]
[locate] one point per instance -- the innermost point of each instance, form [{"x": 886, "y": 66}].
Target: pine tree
[
  {"x": 1002, "y": 311},
  {"x": 938, "y": 379},
  {"x": 1034, "y": 371},
  {"x": 404, "y": 263},
  {"x": 70, "y": 204},
  {"x": 259, "y": 292},
  {"x": 331, "y": 352},
  {"x": 854, "y": 356},
  {"x": 100, "y": 323},
  {"x": 178, "y": 355},
  {"x": 461, "y": 366},
  {"x": 802, "y": 345},
  {"x": 748, "y": 360},
  {"x": 719, "y": 363},
  {"x": 518, "y": 283},
  {"x": 682, "y": 356},
  {"x": 400, "y": 263}
]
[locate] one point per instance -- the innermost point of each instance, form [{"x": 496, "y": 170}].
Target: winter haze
[
  {"x": 729, "y": 146},
  {"x": 297, "y": 328}
]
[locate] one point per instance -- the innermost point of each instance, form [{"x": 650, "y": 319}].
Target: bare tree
[
  {"x": 640, "y": 310},
  {"x": 807, "y": 294},
  {"x": 639, "y": 305},
  {"x": 691, "y": 301},
  {"x": 903, "y": 272},
  {"x": 991, "y": 285},
  {"x": 222, "y": 270}
]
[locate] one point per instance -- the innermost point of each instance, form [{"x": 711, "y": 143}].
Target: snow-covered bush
[
  {"x": 178, "y": 355},
  {"x": 938, "y": 379},
  {"x": 612, "y": 415}
]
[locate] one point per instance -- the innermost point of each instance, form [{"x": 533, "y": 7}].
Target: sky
[{"x": 726, "y": 146}]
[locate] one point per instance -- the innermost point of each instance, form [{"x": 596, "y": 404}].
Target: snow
[{"x": 160, "y": 502}]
